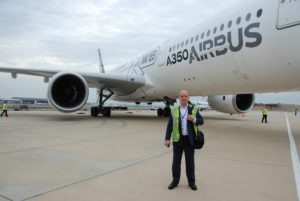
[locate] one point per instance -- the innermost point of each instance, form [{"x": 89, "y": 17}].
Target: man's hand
[
  {"x": 190, "y": 118},
  {"x": 167, "y": 143}
]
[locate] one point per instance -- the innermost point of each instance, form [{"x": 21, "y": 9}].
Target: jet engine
[
  {"x": 68, "y": 92},
  {"x": 232, "y": 104}
]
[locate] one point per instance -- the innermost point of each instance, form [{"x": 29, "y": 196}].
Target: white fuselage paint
[{"x": 271, "y": 66}]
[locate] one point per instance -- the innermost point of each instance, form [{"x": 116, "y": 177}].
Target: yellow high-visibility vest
[
  {"x": 265, "y": 111},
  {"x": 4, "y": 106},
  {"x": 175, "y": 115}
]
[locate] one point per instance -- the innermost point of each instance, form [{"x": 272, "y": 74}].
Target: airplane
[
  {"x": 202, "y": 105},
  {"x": 253, "y": 47}
]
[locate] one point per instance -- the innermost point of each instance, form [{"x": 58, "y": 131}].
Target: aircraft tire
[
  {"x": 94, "y": 111},
  {"x": 159, "y": 112},
  {"x": 107, "y": 112},
  {"x": 166, "y": 112}
]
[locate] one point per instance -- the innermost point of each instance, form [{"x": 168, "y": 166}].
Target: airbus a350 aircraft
[{"x": 253, "y": 47}]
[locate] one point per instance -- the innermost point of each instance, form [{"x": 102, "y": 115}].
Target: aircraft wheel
[
  {"x": 166, "y": 112},
  {"x": 94, "y": 111},
  {"x": 160, "y": 112},
  {"x": 107, "y": 112}
]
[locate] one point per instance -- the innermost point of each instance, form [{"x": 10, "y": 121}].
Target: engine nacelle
[
  {"x": 68, "y": 92},
  {"x": 232, "y": 104}
]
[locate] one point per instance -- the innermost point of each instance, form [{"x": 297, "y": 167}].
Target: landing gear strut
[
  {"x": 105, "y": 111},
  {"x": 166, "y": 112}
]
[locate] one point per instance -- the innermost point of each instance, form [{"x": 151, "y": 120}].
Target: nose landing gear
[{"x": 166, "y": 112}]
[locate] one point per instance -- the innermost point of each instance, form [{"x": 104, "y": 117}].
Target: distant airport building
[
  {"x": 32, "y": 101},
  {"x": 20, "y": 103},
  {"x": 13, "y": 104}
]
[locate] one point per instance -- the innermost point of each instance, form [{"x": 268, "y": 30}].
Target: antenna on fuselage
[{"x": 101, "y": 66}]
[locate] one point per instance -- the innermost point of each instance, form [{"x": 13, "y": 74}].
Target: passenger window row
[{"x": 214, "y": 31}]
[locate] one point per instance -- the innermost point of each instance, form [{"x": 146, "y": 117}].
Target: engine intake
[
  {"x": 232, "y": 104},
  {"x": 68, "y": 92}
]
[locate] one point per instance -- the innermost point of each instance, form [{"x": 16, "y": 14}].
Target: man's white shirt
[{"x": 183, "y": 116}]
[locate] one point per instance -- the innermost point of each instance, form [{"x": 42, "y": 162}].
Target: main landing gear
[
  {"x": 166, "y": 112},
  {"x": 105, "y": 111}
]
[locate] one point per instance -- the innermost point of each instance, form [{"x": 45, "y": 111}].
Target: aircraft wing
[
  {"x": 119, "y": 84},
  {"x": 34, "y": 72}
]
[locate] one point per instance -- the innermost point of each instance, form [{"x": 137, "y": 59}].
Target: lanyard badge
[{"x": 182, "y": 116}]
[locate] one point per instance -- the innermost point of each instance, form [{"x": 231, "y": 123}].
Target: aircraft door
[
  {"x": 288, "y": 14},
  {"x": 162, "y": 60}
]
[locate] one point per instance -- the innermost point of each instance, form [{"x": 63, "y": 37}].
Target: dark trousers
[
  {"x": 4, "y": 112},
  {"x": 264, "y": 119},
  {"x": 178, "y": 148}
]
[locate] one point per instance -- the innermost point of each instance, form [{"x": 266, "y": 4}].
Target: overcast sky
[{"x": 65, "y": 34}]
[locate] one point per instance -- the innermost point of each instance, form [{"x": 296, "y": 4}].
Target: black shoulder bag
[{"x": 199, "y": 136}]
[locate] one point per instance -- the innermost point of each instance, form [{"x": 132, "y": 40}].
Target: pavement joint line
[
  {"x": 6, "y": 198},
  {"x": 136, "y": 162},
  {"x": 294, "y": 157}
]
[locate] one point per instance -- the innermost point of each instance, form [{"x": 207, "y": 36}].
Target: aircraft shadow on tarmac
[
  {"x": 128, "y": 116},
  {"x": 139, "y": 117},
  {"x": 225, "y": 118},
  {"x": 86, "y": 117}
]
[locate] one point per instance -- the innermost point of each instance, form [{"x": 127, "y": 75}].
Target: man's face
[{"x": 184, "y": 97}]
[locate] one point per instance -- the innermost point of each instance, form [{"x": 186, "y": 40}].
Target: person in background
[
  {"x": 4, "y": 108},
  {"x": 265, "y": 113}
]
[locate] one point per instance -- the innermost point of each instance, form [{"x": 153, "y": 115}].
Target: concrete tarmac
[{"x": 51, "y": 156}]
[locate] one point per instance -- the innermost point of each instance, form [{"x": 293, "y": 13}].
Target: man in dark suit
[{"x": 182, "y": 125}]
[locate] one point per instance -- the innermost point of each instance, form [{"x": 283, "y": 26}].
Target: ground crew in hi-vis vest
[
  {"x": 265, "y": 113},
  {"x": 4, "y": 108},
  {"x": 182, "y": 127}
]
